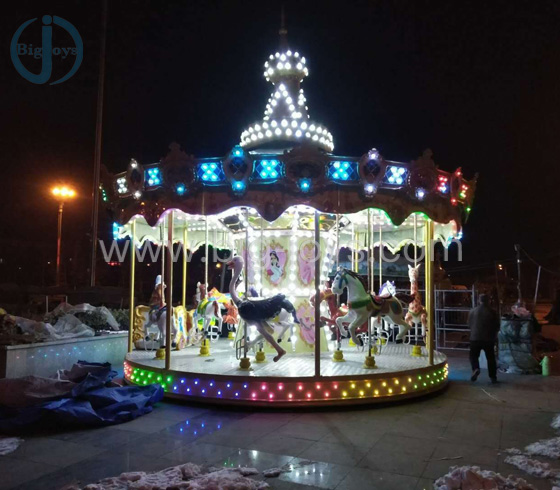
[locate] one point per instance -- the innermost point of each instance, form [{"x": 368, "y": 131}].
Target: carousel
[{"x": 306, "y": 317}]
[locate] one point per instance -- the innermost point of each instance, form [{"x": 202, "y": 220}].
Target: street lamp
[{"x": 62, "y": 194}]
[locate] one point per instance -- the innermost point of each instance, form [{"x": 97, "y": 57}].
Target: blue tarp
[{"x": 91, "y": 399}]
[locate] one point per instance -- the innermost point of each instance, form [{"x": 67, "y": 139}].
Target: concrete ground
[{"x": 404, "y": 446}]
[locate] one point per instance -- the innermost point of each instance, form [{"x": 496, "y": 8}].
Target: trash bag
[{"x": 515, "y": 344}]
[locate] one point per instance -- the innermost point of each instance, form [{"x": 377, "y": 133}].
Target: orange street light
[{"x": 62, "y": 194}]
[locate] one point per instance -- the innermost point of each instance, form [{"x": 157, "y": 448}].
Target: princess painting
[{"x": 274, "y": 263}]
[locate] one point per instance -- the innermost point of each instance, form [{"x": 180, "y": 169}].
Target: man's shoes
[
  {"x": 494, "y": 381},
  {"x": 475, "y": 374}
]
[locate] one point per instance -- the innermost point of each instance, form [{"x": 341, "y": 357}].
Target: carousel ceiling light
[
  {"x": 281, "y": 104},
  {"x": 395, "y": 175},
  {"x": 305, "y": 184},
  {"x": 420, "y": 194},
  {"x": 153, "y": 176},
  {"x": 122, "y": 188},
  {"x": 238, "y": 185}
]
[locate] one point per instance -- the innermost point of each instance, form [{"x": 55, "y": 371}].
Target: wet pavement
[{"x": 403, "y": 446}]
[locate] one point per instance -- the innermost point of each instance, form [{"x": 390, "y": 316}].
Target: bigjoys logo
[{"x": 46, "y": 52}]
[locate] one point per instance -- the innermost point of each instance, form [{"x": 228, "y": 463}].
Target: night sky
[{"x": 475, "y": 81}]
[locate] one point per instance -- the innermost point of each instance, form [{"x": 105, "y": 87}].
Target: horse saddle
[
  {"x": 378, "y": 300},
  {"x": 158, "y": 311}
]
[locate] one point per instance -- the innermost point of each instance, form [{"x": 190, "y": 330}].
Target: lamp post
[{"x": 62, "y": 194}]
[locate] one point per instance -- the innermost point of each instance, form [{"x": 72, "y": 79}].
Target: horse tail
[
  {"x": 289, "y": 307},
  {"x": 404, "y": 298}
]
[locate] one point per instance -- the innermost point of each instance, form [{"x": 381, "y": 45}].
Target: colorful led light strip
[{"x": 397, "y": 384}]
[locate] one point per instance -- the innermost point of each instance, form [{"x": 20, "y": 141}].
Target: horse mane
[{"x": 355, "y": 275}]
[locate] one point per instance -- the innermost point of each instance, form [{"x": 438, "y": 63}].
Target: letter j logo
[{"x": 45, "y": 52}]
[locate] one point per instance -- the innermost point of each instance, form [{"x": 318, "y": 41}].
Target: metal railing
[{"x": 452, "y": 307}]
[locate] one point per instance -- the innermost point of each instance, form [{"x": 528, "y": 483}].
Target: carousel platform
[{"x": 291, "y": 381}]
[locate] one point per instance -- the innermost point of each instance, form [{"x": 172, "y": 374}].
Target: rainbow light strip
[{"x": 325, "y": 390}]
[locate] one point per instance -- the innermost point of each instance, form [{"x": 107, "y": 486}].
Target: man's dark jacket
[{"x": 484, "y": 324}]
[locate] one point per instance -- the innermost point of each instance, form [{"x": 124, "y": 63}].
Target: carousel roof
[{"x": 300, "y": 170}]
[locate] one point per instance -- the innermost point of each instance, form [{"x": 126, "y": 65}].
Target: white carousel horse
[
  {"x": 158, "y": 318},
  {"x": 279, "y": 325},
  {"x": 362, "y": 306},
  {"x": 208, "y": 309}
]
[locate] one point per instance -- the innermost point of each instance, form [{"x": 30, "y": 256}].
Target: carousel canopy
[{"x": 284, "y": 161}]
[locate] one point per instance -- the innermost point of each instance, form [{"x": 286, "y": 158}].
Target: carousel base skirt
[{"x": 290, "y": 382}]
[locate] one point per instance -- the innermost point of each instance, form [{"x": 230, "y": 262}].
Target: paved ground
[{"x": 392, "y": 447}]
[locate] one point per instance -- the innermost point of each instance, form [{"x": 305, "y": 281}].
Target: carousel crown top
[{"x": 286, "y": 160}]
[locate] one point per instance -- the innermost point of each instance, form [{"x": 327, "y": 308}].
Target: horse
[
  {"x": 362, "y": 306},
  {"x": 208, "y": 309},
  {"x": 149, "y": 318},
  {"x": 278, "y": 326}
]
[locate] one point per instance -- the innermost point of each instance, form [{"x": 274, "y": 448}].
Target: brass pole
[
  {"x": 169, "y": 295},
  {"x": 369, "y": 255},
  {"x": 317, "y": 297},
  {"x": 132, "y": 271},
  {"x": 429, "y": 279},
  {"x": 380, "y": 256},
  {"x": 337, "y": 240},
  {"x": 246, "y": 278},
  {"x": 184, "y": 291},
  {"x": 206, "y": 256},
  {"x": 162, "y": 238},
  {"x": 369, "y": 242},
  {"x": 415, "y": 244}
]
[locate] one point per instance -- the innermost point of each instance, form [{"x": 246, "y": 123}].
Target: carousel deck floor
[{"x": 393, "y": 359}]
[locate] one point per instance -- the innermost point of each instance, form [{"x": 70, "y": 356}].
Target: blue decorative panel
[
  {"x": 211, "y": 172},
  {"x": 343, "y": 171},
  {"x": 269, "y": 170},
  {"x": 152, "y": 177},
  {"x": 395, "y": 175}
]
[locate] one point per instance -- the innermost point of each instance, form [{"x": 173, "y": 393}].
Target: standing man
[{"x": 484, "y": 325}]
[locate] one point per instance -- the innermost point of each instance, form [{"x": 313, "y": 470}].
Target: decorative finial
[{"x": 283, "y": 31}]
